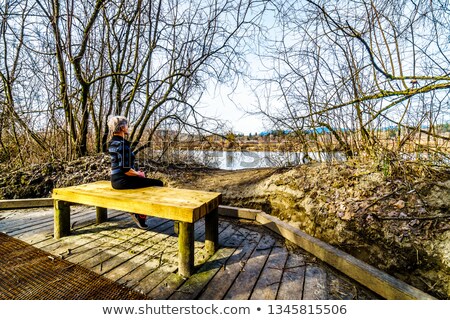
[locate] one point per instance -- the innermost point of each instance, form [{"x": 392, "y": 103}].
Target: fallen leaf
[{"x": 400, "y": 204}]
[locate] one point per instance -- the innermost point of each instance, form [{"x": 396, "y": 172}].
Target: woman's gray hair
[{"x": 115, "y": 123}]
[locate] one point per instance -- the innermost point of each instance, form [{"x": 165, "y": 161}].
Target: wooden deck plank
[
  {"x": 88, "y": 240},
  {"x": 14, "y": 219},
  {"x": 81, "y": 232},
  {"x": 104, "y": 241},
  {"x": 167, "y": 287},
  {"x": 111, "y": 226},
  {"x": 169, "y": 282},
  {"x": 159, "y": 282},
  {"x": 267, "y": 286},
  {"x": 291, "y": 287},
  {"x": 374, "y": 279},
  {"x": 152, "y": 260},
  {"x": 225, "y": 277},
  {"x": 87, "y": 251},
  {"x": 35, "y": 225},
  {"x": 147, "y": 259},
  {"x": 149, "y": 250},
  {"x": 145, "y": 277},
  {"x": 123, "y": 242},
  {"x": 155, "y": 278},
  {"x": 13, "y": 215},
  {"x": 341, "y": 289},
  {"x": 248, "y": 276},
  {"x": 144, "y": 241},
  {"x": 34, "y": 235},
  {"x": 43, "y": 238},
  {"x": 315, "y": 287},
  {"x": 71, "y": 246},
  {"x": 38, "y": 223}
]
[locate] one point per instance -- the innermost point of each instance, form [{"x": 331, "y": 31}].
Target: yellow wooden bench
[{"x": 183, "y": 206}]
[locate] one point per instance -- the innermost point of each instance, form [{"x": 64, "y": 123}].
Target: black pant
[{"x": 122, "y": 181}]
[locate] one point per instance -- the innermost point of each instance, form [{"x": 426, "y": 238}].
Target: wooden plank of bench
[{"x": 169, "y": 203}]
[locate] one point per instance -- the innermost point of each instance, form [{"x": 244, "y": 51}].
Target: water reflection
[{"x": 235, "y": 160}]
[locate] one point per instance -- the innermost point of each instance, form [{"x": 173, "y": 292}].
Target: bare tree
[
  {"x": 16, "y": 115},
  {"x": 87, "y": 60},
  {"x": 357, "y": 67},
  {"x": 183, "y": 46}
]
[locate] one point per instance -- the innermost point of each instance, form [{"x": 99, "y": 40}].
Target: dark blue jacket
[{"x": 122, "y": 157}]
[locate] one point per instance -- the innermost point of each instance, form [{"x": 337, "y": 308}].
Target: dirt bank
[{"x": 399, "y": 224}]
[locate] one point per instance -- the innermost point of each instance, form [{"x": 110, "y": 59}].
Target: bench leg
[
  {"x": 61, "y": 219},
  {"x": 185, "y": 249},
  {"x": 212, "y": 232},
  {"x": 102, "y": 214},
  {"x": 176, "y": 227}
]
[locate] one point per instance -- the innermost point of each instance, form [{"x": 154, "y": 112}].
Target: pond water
[{"x": 236, "y": 160}]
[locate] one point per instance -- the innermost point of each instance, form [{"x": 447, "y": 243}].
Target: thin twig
[
  {"x": 439, "y": 216},
  {"x": 379, "y": 199},
  {"x": 287, "y": 268}
]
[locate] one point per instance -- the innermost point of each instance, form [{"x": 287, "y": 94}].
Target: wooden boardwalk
[{"x": 252, "y": 262}]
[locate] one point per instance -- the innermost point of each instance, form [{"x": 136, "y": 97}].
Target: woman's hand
[
  {"x": 141, "y": 174},
  {"x": 133, "y": 172}
]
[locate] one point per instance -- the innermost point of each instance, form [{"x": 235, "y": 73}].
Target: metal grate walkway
[{"x": 28, "y": 273}]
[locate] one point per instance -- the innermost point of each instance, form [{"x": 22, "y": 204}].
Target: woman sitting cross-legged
[{"x": 123, "y": 173}]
